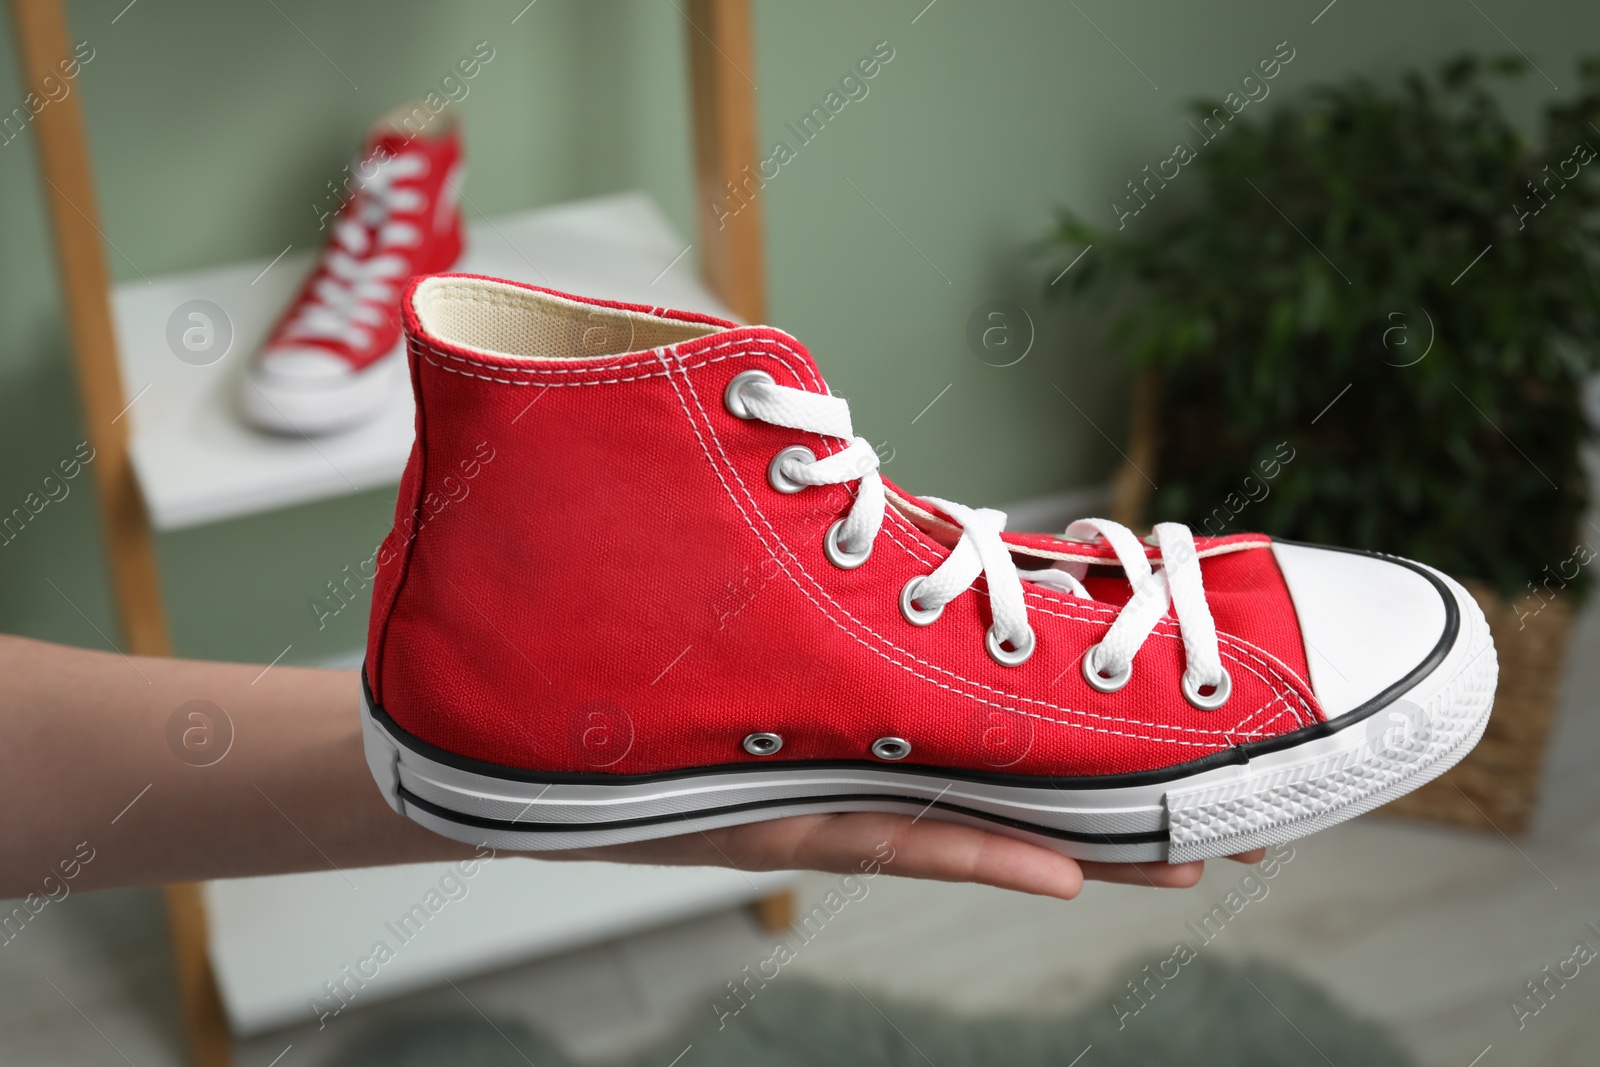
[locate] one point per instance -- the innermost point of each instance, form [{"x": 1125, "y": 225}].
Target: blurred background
[{"x": 999, "y": 165}]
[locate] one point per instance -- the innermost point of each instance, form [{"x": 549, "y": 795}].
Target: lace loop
[
  {"x": 980, "y": 550},
  {"x": 1181, "y": 563}
]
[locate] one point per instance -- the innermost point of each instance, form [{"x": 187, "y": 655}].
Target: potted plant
[{"x": 1365, "y": 318}]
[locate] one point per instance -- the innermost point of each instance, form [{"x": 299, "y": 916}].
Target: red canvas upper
[
  {"x": 412, "y": 218},
  {"x": 590, "y": 572}
]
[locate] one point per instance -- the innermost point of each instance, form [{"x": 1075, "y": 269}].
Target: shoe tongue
[
  {"x": 386, "y": 141},
  {"x": 385, "y": 144}
]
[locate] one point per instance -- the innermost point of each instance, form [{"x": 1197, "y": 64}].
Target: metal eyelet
[
  {"x": 1219, "y": 694},
  {"x": 1016, "y": 657},
  {"x": 782, "y": 482},
  {"x": 836, "y": 553},
  {"x": 891, "y": 748},
  {"x": 914, "y": 615},
  {"x": 731, "y": 398},
  {"x": 762, "y": 744},
  {"x": 1104, "y": 683}
]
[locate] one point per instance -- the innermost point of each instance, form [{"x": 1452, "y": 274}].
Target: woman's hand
[
  {"x": 291, "y": 791},
  {"x": 913, "y": 847}
]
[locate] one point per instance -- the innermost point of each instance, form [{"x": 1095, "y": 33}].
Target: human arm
[{"x": 95, "y": 758}]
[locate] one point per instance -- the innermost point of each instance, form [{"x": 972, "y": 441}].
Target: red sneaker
[
  {"x": 334, "y": 355},
  {"x": 645, "y": 579}
]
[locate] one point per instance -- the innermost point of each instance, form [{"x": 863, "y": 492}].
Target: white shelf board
[
  {"x": 198, "y": 462},
  {"x": 275, "y": 941}
]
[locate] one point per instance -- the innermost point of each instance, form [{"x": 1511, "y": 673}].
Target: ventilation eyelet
[
  {"x": 731, "y": 396},
  {"x": 1104, "y": 683},
  {"x": 762, "y": 744},
  {"x": 891, "y": 748}
]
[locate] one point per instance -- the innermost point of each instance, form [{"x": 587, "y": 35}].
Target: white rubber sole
[
  {"x": 313, "y": 409},
  {"x": 1335, "y": 773}
]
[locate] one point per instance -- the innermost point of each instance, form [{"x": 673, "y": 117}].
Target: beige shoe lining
[{"x": 509, "y": 320}]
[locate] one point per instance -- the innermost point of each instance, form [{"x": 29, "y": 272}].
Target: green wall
[{"x": 215, "y": 125}]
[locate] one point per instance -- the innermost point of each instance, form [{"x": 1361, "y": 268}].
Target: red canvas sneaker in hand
[
  {"x": 645, "y": 580},
  {"x": 334, "y": 355}
]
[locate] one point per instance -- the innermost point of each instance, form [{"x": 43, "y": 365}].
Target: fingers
[
  {"x": 1156, "y": 875},
  {"x": 906, "y": 846},
  {"x": 1159, "y": 875},
  {"x": 874, "y": 842},
  {"x": 859, "y": 843}
]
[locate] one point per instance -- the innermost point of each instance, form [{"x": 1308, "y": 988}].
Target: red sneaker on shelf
[
  {"x": 334, "y": 355},
  {"x": 645, "y": 580}
]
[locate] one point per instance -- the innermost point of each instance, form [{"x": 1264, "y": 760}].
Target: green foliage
[{"x": 1467, "y": 458}]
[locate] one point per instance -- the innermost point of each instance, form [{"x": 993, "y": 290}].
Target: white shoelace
[
  {"x": 363, "y": 273},
  {"x": 981, "y": 550}
]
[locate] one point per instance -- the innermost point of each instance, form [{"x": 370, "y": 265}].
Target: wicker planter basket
[{"x": 1498, "y": 783}]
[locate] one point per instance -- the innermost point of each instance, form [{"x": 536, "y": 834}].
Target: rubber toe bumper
[{"x": 307, "y": 391}]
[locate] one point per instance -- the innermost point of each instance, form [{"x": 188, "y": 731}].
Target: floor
[{"x": 1431, "y": 931}]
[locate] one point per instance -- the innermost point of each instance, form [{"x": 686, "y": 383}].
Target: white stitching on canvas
[
  {"x": 904, "y": 666},
  {"x": 753, "y": 347},
  {"x": 904, "y": 547},
  {"x": 1043, "y": 602},
  {"x": 745, "y": 347}
]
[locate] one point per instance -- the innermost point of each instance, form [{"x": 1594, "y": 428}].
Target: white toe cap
[
  {"x": 289, "y": 368},
  {"x": 1367, "y": 622}
]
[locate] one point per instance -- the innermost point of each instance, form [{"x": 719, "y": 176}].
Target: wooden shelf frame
[{"x": 723, "y": 108}]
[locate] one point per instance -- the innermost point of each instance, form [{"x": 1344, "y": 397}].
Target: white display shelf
[
  {"x": 197, "y": 461},
  {"x": 276, "y": 941}
]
